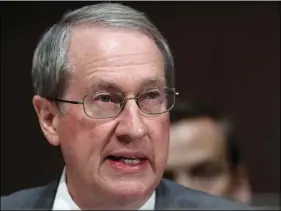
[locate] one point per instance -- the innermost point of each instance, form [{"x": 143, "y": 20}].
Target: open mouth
[{"x": 131, "y": 161}]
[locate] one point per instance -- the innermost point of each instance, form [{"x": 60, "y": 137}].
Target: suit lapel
[
  {"x": 170, "y": 196},
  {"x": 48, "y": 196},
  {"x": 43, "y": 199},
  {"x": 162, "y": 197}
]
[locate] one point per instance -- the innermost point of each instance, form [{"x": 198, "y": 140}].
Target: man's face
[
  {"x": 197, "y": 156},
  {"x": 113, "y": 60}
]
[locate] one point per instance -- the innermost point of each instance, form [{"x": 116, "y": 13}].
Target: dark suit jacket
[{"x": 169, "y": 195}]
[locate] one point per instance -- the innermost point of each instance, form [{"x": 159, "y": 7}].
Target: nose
[{"x": 131, "y": 125}]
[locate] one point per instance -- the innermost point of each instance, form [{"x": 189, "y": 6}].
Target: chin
[{"x": 130, "y": 189}]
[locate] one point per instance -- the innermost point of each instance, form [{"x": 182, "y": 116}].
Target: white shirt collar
[{"x": 63, "y": 200}]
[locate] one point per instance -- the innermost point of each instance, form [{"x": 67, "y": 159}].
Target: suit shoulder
[
  {"x": 17, "y": 199},
  {"x": 183, "y": 197}
]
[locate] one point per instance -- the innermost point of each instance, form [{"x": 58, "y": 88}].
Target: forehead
[
  {"x": 197, "y": 140},
  {"x": 99, "y": 51},
  {"x": 105, "y": 41}
]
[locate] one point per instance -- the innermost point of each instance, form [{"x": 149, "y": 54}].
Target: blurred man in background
[
  {"x": 102, "y": 95},
  {"x": 205, "y": 154}
]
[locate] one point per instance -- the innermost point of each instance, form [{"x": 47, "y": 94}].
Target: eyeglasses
[{"x": 103, "y": 105}]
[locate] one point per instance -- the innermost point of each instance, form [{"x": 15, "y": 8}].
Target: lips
[
  {"x": 125, "y": 160},
  {"x": 128, "y": 158},
  {"x": 128, "y": 154}
]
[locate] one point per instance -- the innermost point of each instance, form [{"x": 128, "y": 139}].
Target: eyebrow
[
  {"x": 159, "y": 81},
  {"x": 100, "y": 85}
]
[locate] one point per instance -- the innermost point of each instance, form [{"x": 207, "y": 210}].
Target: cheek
[
  {"x": 159, "y": 137},
  {"x": 82, "y": 140},
  {"x": 218, "y": 185},
  {"x": 222, "y": 182}
]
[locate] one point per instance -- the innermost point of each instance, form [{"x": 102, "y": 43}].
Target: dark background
[{"x": 226, "y": 53}]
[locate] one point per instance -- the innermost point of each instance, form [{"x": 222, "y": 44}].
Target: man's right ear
[{"x": 48, "y": 116}]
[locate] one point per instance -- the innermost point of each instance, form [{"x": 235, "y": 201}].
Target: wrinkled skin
[{"x": 130, "y": 62}]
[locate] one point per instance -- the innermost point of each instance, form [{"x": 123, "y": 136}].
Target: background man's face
[
  {"x": 125, "y": 61},
  {"x": 198, "y": 156}
]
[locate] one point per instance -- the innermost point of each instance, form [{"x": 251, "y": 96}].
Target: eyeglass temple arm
[{"x": 68, "y": 101}]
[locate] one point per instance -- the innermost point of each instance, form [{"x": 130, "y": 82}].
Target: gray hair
[{"x": 50, "y": 68}]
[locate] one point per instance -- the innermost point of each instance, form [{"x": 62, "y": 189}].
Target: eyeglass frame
[{"x": 123, "y": 103}]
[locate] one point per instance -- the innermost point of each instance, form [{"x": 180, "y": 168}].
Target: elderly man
[
  {"x": 205, "y": 154},
  {"x": 103, "y": 78}
]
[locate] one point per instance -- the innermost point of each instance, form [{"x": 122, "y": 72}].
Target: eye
[
  {"x": 150, "y": 95},
  {"x": 106, "y": 98}
]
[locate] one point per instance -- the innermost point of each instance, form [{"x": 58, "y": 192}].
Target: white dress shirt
[{"x": 63, "y": 200}]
